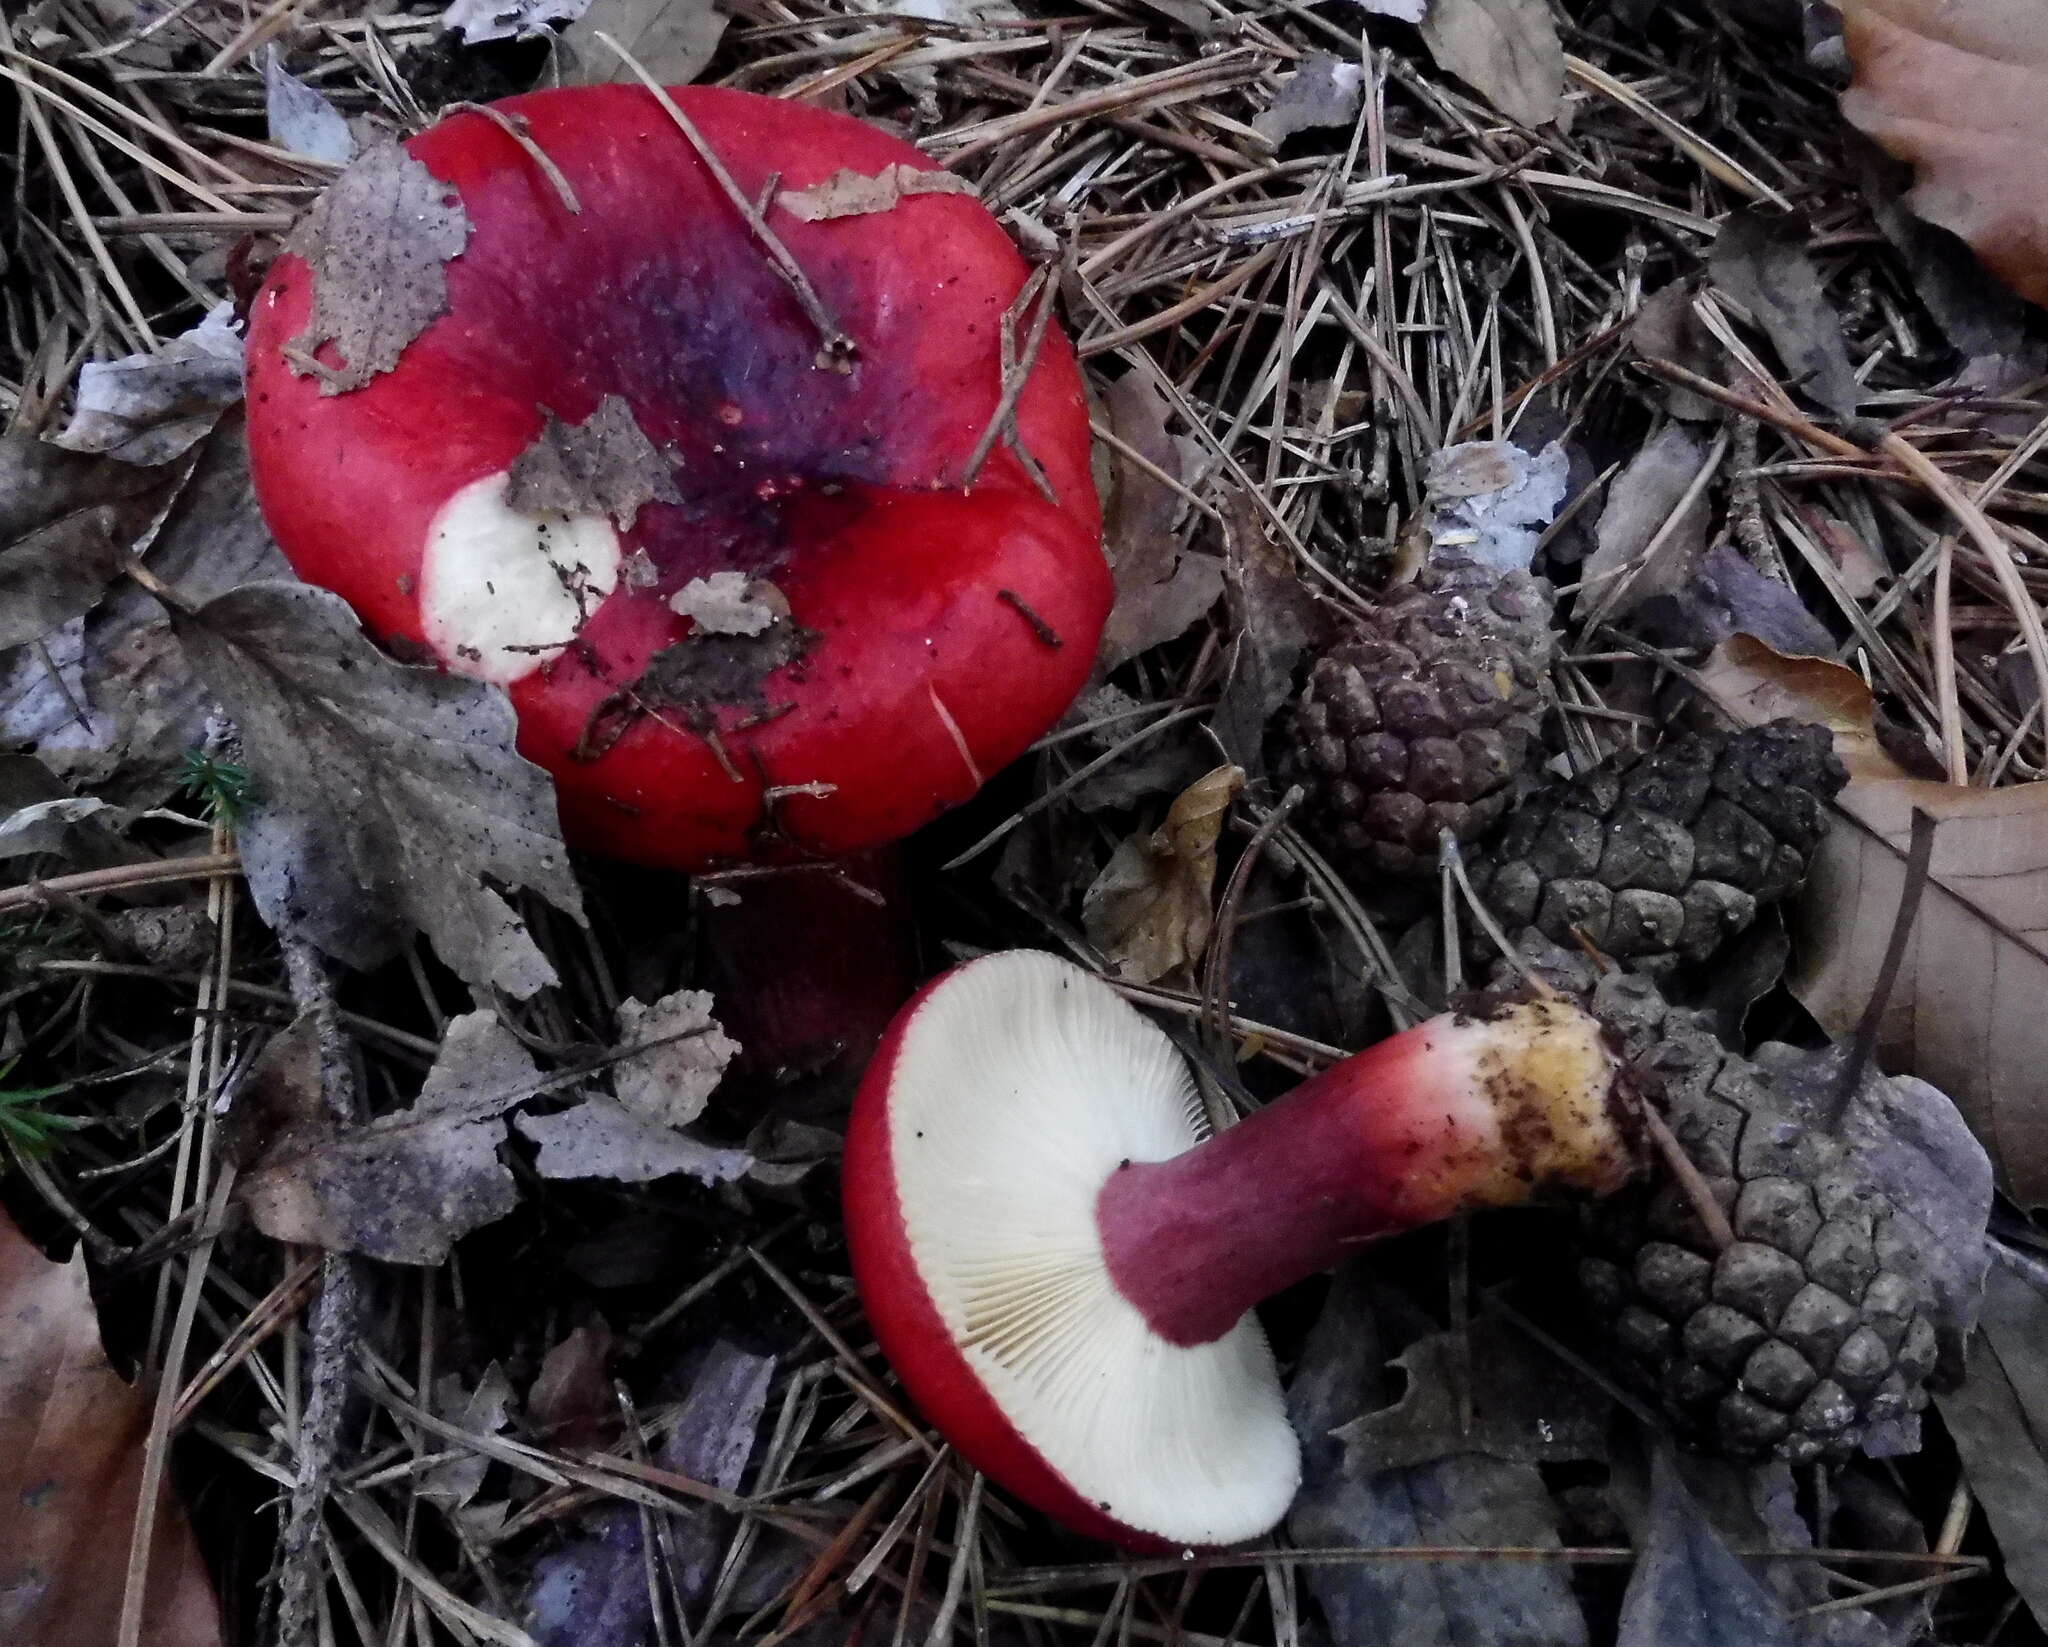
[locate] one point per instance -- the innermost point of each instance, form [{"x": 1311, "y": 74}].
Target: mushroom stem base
[{"x": 1459, "y": 1112}]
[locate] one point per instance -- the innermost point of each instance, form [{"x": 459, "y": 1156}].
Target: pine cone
[
  {"x": 1665, "y": 857},
  {"x": 1819, "y": 1321},
  {"x": 1424, "y": 717}
]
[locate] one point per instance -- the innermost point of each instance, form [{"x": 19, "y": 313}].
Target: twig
[
  {"x": 1863, "y": 1044},
  {"x": 333, "y": 1327},
  {"x": 520, "y": 130},
  {"x": 1690, "y": 1179},
  {"x": 119, "y": 878}
]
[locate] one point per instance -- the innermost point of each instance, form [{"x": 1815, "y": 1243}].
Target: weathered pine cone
[
  {"x": 1423, "y": 717},
  {"x": 1818, "y": 1321},
  {"x": 1664, "y": 857}
]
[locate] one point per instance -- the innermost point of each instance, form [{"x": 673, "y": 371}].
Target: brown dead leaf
[
  {"x": 604, "y": 465},
  {"x": 66, "y": 521},
  {"x": 1966, "y": 1010},
  {"x": 389, "y": 798},
  {"x": 1161, "y": 590},
  {"x": 378, "y": 242},
  {"x": 1150, "y": 909},
  {"x": 848, "y": 193},
  {"x": 1959, "y": 88},
  {"x": 1641, "y": 550},
  {"x": 405, "y": 1187},
  {"x": 72, "y": 1436},
  {"x": 1506, "y": 50},
  {"x": 672, "y": 39}
]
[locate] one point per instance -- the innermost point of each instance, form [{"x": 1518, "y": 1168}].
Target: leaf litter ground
[{"x": 1303, "y": 249}]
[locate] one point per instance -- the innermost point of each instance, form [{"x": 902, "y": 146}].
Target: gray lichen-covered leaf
[
  {"x": 729, "y": 603},
  {"x": 604, "y": 465},
  {"x": 1489, "y": 501},
  {"x": 601, "y": 1138},
  {"x": 1760, "y": 260},
  {"x": 66, "y": 521},
  {"x": 388, "y": 798},
  {"x": 107, "y": 702},
  {"x": 1324, "y": 91},
  {"x": 481, "y": 20},
  {"x": 1999, "y": 1422},
  {"x": 1466, "y": 1499},
  {"x": 301, "y": 118},
  {"x": 403, "y": 1188},
  {"x": 672, "y": 1055},
  {"x": 848, "y": 193},
  {"x": 156, "y": 407},
  {"x": 378, "y": 244}
]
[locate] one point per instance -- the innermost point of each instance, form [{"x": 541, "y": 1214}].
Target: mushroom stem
[{"x": 1460, "y": 1112}]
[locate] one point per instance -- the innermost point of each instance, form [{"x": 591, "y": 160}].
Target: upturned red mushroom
[
  {"x": 768, "y": 554},
  {"x": 1062, "y": 1268}
]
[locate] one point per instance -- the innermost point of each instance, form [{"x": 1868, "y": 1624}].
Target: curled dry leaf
[
  {"x": 387, "y": 795},
  {"x": 66, "y": 521},
  {"x": 730, "y": 603},
  {"x": 1641, "y": 549},
  {"x": 1999, "y": 1421},
  {"x": 1506, "y": 50},
  {"x": 1965, "y": 1009},
  {"x": 1489, "y": 500},
  {"x": 377, "y": 243},
  {"x": 1760, "y": 260},
  {"x": 1161, "y": 589},
  {"x": 1959, "y": 89},
  {"x": 72, "y": 1437},
  {"x": 1460, "y": 1497},
  {"x": 108, "y": 702},
  {"x": 1150, "y": 909},
  {"x": 1689, "y": 1589},
  {"x": 156, "y": 407},
  {"x": 848, "y": 193},
  {"x": 1325, "y": 91},
  {"x": 403, "y": 1188}
]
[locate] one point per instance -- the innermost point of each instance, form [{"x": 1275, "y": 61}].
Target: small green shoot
[
  {"x": 26, "y": 1125},
  {"x": 222, "y": 787}
]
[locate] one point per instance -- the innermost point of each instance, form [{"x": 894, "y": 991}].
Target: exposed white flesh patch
[
  {"x": 501, "y": 592},
  {"x": 1021, "y": 1085}
]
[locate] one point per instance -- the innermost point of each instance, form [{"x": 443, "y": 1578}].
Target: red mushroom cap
[{"x": 933, "y": 629}]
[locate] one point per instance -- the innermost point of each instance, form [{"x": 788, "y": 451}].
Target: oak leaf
[
  {"x": 72, "y": 1438},
  {"x": 1959, "y": 89},
  {"x": 1965, "y": 1010}
]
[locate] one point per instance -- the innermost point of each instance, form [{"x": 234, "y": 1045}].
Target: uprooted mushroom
[{"x": 1061, "y": 1264}]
